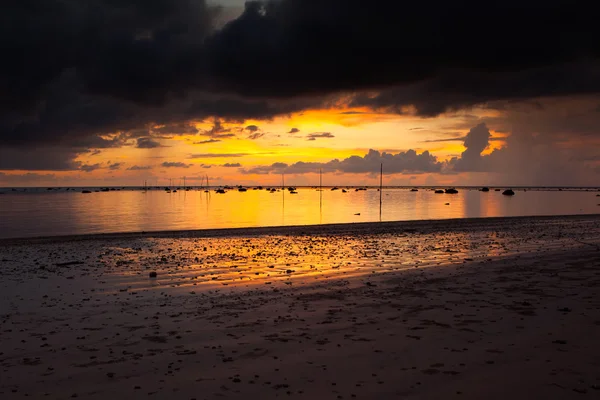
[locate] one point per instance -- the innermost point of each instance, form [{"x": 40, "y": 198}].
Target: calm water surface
[{"x": 49, "y": 213}]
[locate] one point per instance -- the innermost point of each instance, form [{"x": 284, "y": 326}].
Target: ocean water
[{"x": 42, "y": 212}]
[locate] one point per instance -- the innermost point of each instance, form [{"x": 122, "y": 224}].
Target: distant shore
[{"x": 425, "y": 226}]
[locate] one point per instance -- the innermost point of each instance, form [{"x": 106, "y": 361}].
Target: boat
[
  {"x": 508, "y": 192},
  {"x": 451, "y": 191},
  {"x": 220, "y": 191},
  {"x": 242, "y": 189}
]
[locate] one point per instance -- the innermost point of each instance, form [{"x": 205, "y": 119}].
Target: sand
[{"x": 463, "y": 309}]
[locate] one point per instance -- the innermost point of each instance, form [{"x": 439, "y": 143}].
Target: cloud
[
  {"x": 208, "y": 141},
  {"x": 175, "y": 129},
  {"x": 255, "y": 132},
  {"x": 118, "y": 58},
  {"x": 115, "y": 166},
  {"x": 217, "y": 155},
  {"x": 168, "y": 164},
  {"x": 525, "y": 159},
  {"x": 452, "y": 139},
  {"x": 147, "y": 143},
  {"x": 409, "y": 72},
  {"x": 294, "y": 130},
  {"x": 403, "y": 162},
  {"x": 139, "y": 168},
  {"x": 77, "y": 71},
  {"x": 232, "y": 165},
  {"x": 39, "y": 158},
  {"x": 26, "y": 178},
  {"x": 317, "y": 135},
  {"x": 476, "y": 141},
  {"x": 256, "y": 135},
  {"x": 89, "y": 167},
  {"x": 218, "y": 131}
]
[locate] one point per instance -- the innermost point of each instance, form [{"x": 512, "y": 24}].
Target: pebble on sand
[{"x": 153, "y": 274}]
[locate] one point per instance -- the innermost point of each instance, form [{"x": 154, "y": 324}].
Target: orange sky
[{"x": 352, "y": 132}]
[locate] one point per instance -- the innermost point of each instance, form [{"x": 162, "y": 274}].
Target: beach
[{"x": 490, "y": 308}]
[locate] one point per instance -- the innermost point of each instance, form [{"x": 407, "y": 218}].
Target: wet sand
[{"x": 461, "y": 309}]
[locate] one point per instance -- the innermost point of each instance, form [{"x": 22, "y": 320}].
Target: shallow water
[{"x": 49, "y": 213}]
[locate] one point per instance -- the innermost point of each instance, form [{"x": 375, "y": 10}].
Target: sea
[{"x": 41, "y": 212}]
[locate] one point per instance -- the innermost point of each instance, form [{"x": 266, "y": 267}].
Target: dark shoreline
[{"x": 418, "y": 226}]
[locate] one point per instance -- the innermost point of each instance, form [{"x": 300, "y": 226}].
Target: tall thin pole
[
  {"x": 321, "y": 191},
  {"x": 282, "y": 199},
  {"x": 380, "y": 188}
]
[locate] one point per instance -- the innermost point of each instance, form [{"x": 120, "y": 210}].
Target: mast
[
  {"x": 380, "y": 188},
  {"x": 321, "y": 178},
  {"x": 321, "y": 193}
]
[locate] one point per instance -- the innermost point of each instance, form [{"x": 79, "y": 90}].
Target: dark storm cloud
[
  {"x": 527, "y": 49},
  {"x": 232, "y": 165},
  {"x": 74, "y": 70},
  {"x": 403, "y": 162}
]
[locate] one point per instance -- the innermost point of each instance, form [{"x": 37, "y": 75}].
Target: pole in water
[
  {"x": 321, "y": 195},
  {"x": 380, "y": 189}
]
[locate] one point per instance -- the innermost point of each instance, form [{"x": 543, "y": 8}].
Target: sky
[{"x": 102, "y": 93}]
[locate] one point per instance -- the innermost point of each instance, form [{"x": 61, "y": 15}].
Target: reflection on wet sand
[{"x": 422, "y": 310}]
